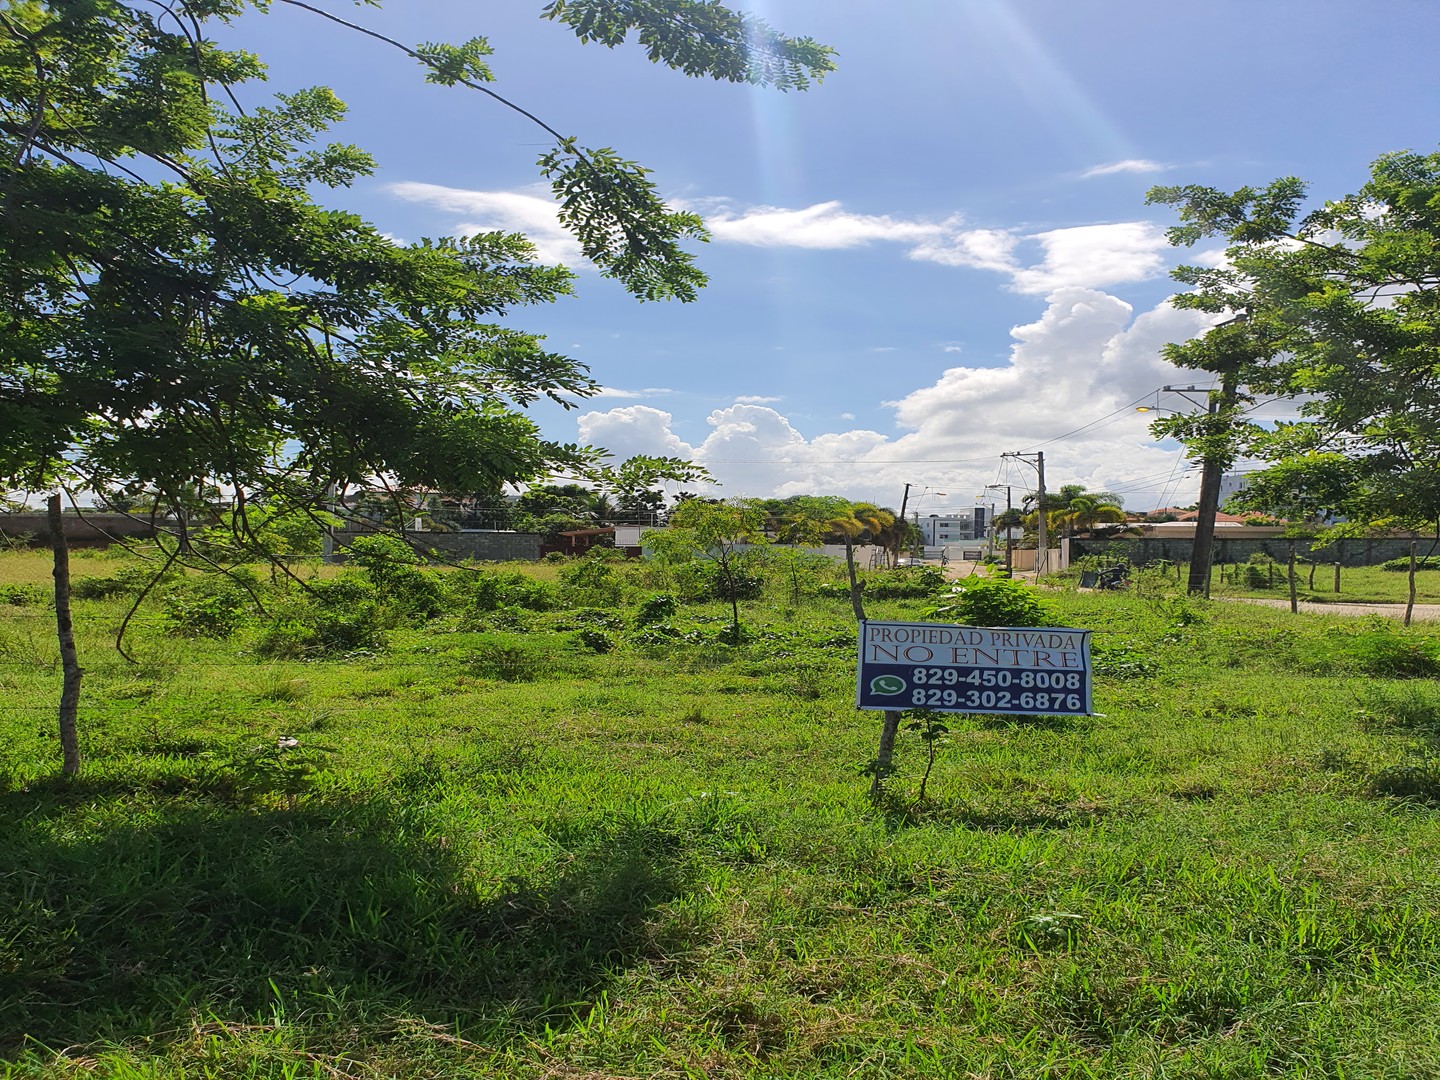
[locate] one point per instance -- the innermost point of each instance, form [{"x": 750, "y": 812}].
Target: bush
[
  {"x": 592, "y": 582},
  {"x": 127, "y": 581},
  {"x": 213, "y": 606},
  {"x": 1402, "y": 565},
  {"x": 902, "y": 583},
  {"x": 344, "y": 615},
  {"x": 394, "y": 568},
  {"x": 25, "y": 595},
  {"x": 701, "y": 580},
  {"x": 1392, "y": 655},
  {"x": 656, "y": 609},
  {"x": 991, "y": 601},
  {"x": 596, "y": 640},
  {"x": 489, "y": 591}
]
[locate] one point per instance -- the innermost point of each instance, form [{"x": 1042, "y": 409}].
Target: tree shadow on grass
[{"x": 344, "y": 907}]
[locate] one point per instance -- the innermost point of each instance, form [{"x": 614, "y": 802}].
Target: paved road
[{"x": 1423, "y": 612}]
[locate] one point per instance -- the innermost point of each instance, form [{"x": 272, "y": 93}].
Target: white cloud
[
  {"x": 647, "y": 392},
  {"x": 824, "y": 225},
  {"x": 1085, "y": 357},
  {"x": 980, "y": 249},
  {"x": 1089, "y": 255},
  {"x": 502, "y": 211},
  {"x": 1129, "y": 165},
  {"x": 951, "y": 347},
  {"x": 631, "y": 430},
  {"x": 756, "y": 399},
  {"x": 1094, "y": 256}
]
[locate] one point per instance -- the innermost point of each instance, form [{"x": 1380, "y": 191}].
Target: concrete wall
[
  {"x": 93, "y": 529},
  {"x": 480, "y": 546},
  {"x": 1232, "y": 548}
]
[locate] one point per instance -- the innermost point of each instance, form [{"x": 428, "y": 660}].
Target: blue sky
[{"x": 940, "y": 253}]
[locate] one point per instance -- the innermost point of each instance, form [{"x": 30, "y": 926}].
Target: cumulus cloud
[
  {"x": 1094, "y": 256},
  {"x": 1086, "y": 357},
  {"x": 1129, "y": 165}
]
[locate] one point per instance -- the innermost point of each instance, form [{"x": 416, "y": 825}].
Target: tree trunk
[
  {"x": 885, "y": 756},
  {"x": 857, "y": 590},
  {"x": 1289, "y": 566},
  {"x": 1337, "y": 577},
  {"x": 1410, "y": 603},
  {"x": 65, "y": 631}
]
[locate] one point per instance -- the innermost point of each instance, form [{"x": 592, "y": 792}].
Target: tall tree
[
  {"x": 1338, "y": 307},
  {"x": 179, "y": 314}
]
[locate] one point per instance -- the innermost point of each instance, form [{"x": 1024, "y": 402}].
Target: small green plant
[
  {"x": 507, "y": 661},
  {"x": 212, "y": 606},
  {"x": 933, "y": 730},
  {"x": 597, "y": 641},
  {"x": 656, "y": 609},
  {"x": 990, "y": 601},
  {"x": 25, "y": 595}
]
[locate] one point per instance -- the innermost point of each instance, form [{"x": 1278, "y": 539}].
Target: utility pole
[
  {"x": 900, "y": 518},
  {"x": 1212, "y": 467},
  {"x": 1009, "y": 543},
  {"x": 1042, "y": 551}
]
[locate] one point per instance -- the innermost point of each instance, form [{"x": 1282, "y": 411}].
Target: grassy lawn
[
  {"x": 1358, "y": 584},
  {"x": 490, "y": 850}
]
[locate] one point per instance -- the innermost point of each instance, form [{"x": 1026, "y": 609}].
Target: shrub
[
  {"x": 596, "y": 640},
  {"x": 344, "y": 616},
  {"x": 489, "y": 591},
  {"x": 1390, "y": 654},
  {"x": 213, "y": 606},
  {"x": 508, "y": 661},
  {"x": 581, "y": 618},
  {"x": 656, "y": 609},
  {"x": 592, "y": 581},
  {"x": 25, "y": 595},
  {"x": 990, "y": 601},
  {"x": 127, "y": 581},
  {"x": 394, "y": 568},
  {"x": 1402, "y": 565},
  {"x": 903, "y": 583},
  {"x": 701, "y": 580}
]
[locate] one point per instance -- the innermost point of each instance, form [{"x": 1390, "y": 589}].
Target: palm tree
[
  {"x": 1085, "y": 512},
  {"x": 851, "y": 520}
]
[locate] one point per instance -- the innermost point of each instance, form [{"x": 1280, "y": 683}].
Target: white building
[{"x": 938, "y": 530}]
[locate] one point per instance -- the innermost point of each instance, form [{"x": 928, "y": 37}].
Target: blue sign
[{"x": 1032, "y": 670}]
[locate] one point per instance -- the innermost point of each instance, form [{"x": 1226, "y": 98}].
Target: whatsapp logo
[{"x": 887, "y": 684}]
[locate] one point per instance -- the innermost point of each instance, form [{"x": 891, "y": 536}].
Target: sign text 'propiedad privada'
[{"x": 974, "y": 669}]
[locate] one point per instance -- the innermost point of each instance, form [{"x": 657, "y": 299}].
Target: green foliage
[
  {"x": 1337, "y": 307},
  {"x": 596, "y": 640},
  {"x": 489, "y": 590},
  {"x": 25, "y": 595},
  {"x": 591, "y": 582},
  {"x": 629, "y": 830},
  {"x": 991, "y": 601},
  {"x": 213, "y": 606},
  {"x": 1402, "y": 565},
  {"x": 393, "y": 568},
  {"x": 656, "y": 609}
]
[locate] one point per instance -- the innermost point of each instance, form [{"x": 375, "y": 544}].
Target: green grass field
[{"x": 487, "y": 850}]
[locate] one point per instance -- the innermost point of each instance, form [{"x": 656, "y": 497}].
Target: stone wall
[
  {"x": 95, "y": 529},
  {"x": 480, "y": 546}
]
